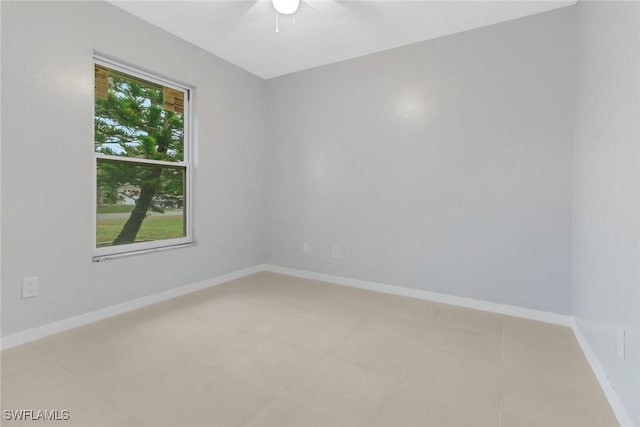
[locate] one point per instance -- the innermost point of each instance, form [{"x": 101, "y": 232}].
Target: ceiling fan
[
  {"x": 285, "y": 7},
  {"x": 292, "y": 7}
]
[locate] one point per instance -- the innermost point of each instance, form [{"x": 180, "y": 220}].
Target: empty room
[{"x": 297, "y": 213}]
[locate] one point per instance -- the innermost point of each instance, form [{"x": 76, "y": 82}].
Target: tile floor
[{"x": 272, "y": 350}]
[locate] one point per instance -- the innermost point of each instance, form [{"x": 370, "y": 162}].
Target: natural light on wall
[{"x": 410, "y": 106}]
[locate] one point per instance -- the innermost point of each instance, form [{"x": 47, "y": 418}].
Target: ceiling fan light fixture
[{"x": 286, "y": 7}]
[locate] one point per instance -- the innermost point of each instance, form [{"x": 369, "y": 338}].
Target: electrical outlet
[
  {"x": 306, "y": 248},
  {"x": 621, "y": 341},
  {"x": 29, "y": 287},
  {"x": 335, "y": 251}
]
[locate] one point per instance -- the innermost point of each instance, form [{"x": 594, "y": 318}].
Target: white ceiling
[{"x": 326, "y": 31}]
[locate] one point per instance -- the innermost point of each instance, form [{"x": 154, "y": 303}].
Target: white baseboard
[
  {"x": 619, "y": 409},
  {"x": 38, "y": 332},
  {"x": 617, "y": 406},
  {"x": 32, "y": 334},
  {"x": 509, "y": 310}
]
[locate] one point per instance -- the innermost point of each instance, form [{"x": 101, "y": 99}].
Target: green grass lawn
[
  {"x": 114, "y": 209},
  {"x": 153, "y": 228}
]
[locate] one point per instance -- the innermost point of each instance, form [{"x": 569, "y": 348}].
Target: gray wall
[
  {"x": 441, "y": 166},
  {"x": 606, "y": 202},
  {"x": 47, "y": 162}
]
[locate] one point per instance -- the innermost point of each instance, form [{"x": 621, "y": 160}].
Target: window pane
[
  {"x": 137, "y": 118},
  {"x": 139, "y": 202}
]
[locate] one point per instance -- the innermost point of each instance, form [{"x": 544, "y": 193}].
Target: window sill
[{"x": 100, "y": 258}]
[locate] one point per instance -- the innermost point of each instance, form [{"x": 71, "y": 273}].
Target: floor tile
[
  {"x": 86, "y": 408},
  {"x": 133, "y": 388},
  {"x": 313, "y": 334},
  {"x": 273, "y": 350},
  {"x": 345, "y": 310},
  {"x": 85, "y": 357},
  {"x": 32, "y": 385},
  {"x": 425, "y": 310},
  {"x": 271, "y": 364},
  {"x": 545, "y": 349},
  {"x": 376, "y": 351},
  {"x": 396, "y": 325},
  {"x": 18, "y": 358},
  {"x": 466, "y": 318},
  {"x": 350, "y": 392},
  {"x": 464, "y": 342},
  {"x": 283, "y": 412},
  {"x": 213, "y": 398},
  {"x": 414, "y": 411},
  {"x": 535, "y": 399},
  {"x": 443, "y": 377}
]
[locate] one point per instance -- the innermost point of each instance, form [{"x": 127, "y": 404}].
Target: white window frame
[{"x": 109, "y": 252}]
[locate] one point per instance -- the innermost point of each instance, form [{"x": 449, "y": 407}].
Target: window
[{"x": 141, "y": 144}]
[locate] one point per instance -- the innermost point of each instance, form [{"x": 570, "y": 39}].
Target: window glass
[{"x": 141, "y": 162}]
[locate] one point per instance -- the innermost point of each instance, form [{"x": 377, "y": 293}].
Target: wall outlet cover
[{"x": 29, "y": 287}]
